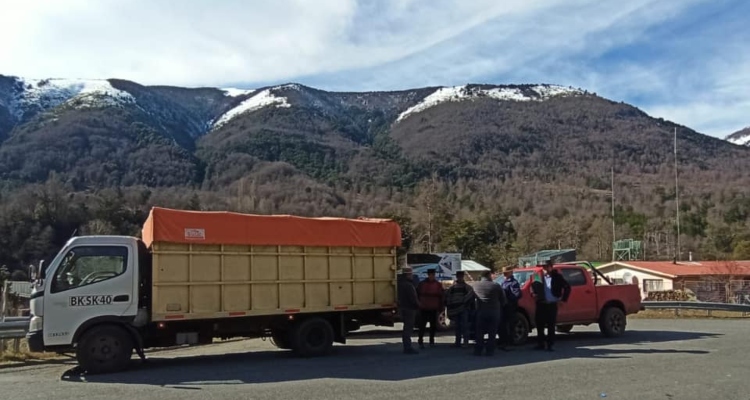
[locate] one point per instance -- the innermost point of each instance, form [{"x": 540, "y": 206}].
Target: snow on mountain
[
  {"x": 263, "y": 99},
  {"x": 741, "y": 137},
  {"x": 465, "y": 92},
  {"x": 233, "y": 92},
  {"x": 43, "y": 94}
]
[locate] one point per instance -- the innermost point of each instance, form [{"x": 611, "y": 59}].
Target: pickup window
[
  {"x": 574, "y": 276},
  {"x": 522, "y": 276}
]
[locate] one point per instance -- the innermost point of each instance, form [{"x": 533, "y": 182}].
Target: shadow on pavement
[{"x": 383, "y": 362}]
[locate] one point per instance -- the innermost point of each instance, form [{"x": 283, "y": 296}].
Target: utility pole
[
  {"x": 613, "y": 213},
  {"x": 676, "y": 196}
]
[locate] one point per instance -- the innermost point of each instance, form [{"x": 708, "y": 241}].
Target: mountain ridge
[{"x": 536, "y": 156}]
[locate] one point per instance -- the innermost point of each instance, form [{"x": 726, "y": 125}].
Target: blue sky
[{"x": 687, "y": 61}]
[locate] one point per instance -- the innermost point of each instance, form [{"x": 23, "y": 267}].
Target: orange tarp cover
[{"x": 219, "y": 227}]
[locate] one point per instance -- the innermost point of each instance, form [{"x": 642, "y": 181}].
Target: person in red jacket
[{"x": 430, "y": 293}]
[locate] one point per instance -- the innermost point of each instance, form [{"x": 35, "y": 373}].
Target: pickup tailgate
[{"x": 628, "y": 295}]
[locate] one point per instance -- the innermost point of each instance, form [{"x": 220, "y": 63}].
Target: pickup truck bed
[{"x": 591, "y": 301}]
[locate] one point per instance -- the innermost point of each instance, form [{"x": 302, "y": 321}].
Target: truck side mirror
[{"x": 33, "y": 272}]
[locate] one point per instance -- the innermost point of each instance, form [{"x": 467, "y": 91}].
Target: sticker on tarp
[{"x": 193, "y": 233}]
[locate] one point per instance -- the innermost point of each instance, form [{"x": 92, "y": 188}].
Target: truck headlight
[{"x": 36, "y": 324}]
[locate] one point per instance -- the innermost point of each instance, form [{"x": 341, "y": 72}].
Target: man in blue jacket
[{"x": 513, "y": 293}]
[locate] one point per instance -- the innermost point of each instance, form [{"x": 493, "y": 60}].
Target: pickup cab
[{"x": 593, "y": 300}]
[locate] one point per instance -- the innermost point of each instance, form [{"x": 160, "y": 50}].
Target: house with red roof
[{"x": 724, "y": 281}]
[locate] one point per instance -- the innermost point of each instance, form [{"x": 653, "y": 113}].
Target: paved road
[{"x": 656, "y": 359}]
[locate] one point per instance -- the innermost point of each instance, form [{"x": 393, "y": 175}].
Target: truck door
[
  {"x": 91, "y": 281},
  {"x": 582, "y": 302}
]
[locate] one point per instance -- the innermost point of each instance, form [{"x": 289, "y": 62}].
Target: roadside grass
[
  {"x": 689, "y": 314},
  {"x": 24, "y": 355}
]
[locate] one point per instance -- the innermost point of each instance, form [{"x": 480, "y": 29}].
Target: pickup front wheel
[{"x": 612, "y": 322}]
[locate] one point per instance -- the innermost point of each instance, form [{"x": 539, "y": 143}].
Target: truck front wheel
[
  {"x": 280, "y": 339},
  {"x": 312, "y": 337},
  {"x": 612, "y": 322},
  {"x": 104, "y": 349}
]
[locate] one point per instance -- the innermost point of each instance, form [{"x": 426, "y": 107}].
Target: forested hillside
[{"x": 491, "y": 171}]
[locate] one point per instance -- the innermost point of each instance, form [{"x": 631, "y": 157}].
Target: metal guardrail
[
  {"x": 14, "y": 328},
  {"x": 696, "y": 305},
  {"x": 17, "y": 334}
]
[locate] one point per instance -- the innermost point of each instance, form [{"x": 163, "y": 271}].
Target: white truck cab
[{"x": 92, "y": 280}]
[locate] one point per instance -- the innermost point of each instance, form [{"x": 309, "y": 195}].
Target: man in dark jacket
[
  {"x": 513, "y": 293},
  {"x": 490, "y": 301},
  {"x": 457, "y": 298},
  {"x": 408, "y": 304},
  {"x": 548, "y": 292}
]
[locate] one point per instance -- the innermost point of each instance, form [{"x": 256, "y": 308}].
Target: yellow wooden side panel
[{"x": 212, "y": 281}]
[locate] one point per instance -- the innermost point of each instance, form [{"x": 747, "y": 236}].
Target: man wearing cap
[
  {"x": 552, "y": 290},
  {"x": 430, "y": 292},
  {"x": 490, "y": 301},
  {"x": 456, "y": 299},
  {"x": 408, "y": 304},
  {"x": 513, "y": 293}
]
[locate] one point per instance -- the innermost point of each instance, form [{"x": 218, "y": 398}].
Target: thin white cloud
[{"x": 211, "y": 43}]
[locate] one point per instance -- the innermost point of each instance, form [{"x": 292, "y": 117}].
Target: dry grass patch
[{"x": 23, "y": 355}]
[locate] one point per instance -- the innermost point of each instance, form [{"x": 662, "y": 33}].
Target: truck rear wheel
[
  {"x": 612, "y": 322},
  {"x": 104, "y": 349},
  {"x": 312, "y": 337}
]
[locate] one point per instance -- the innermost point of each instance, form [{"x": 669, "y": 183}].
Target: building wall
[{"x": 647, "y": 282}]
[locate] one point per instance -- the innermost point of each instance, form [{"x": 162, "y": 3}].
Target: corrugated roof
[
  {"x": 468, "y": 265},
  {"x": 688, "y": 268},
  {"x": 21, "y": 288}
]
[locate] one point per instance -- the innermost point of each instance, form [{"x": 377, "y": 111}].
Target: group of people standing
[{"x": 490, "y": 306}]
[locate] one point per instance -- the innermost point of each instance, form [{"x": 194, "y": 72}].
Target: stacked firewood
[{"x": 672, "y": 295}]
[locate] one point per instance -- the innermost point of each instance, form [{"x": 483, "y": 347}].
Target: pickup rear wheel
[
  {"x": 612, "y": 322},
  {"x": 104, "y": 349},
  {"x": 312, "y": 337}
]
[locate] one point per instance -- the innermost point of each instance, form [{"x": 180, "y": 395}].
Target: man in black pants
[
  {"x": 490, "y": 299},
  {"x": 408, "y": 304},
  {"x": 548, "y": 292},
  {"x": 512, "y": 289}
]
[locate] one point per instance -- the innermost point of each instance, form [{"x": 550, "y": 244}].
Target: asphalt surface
[{"x": 655, "y": 359}]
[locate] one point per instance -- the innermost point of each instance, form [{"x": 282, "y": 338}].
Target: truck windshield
[{"x": 89, "y": 264}]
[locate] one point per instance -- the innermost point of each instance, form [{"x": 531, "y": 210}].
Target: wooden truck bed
[
  {"x": 192, "y": 281},
  {"x": 220, "y": 265}
]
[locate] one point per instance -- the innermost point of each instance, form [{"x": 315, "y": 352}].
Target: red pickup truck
[{"x": 593, "y": 300}]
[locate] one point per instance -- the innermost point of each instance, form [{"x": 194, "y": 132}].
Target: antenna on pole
[
  {"x": 614, "y": 237},
  {"x": 676, "y": 196}
]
